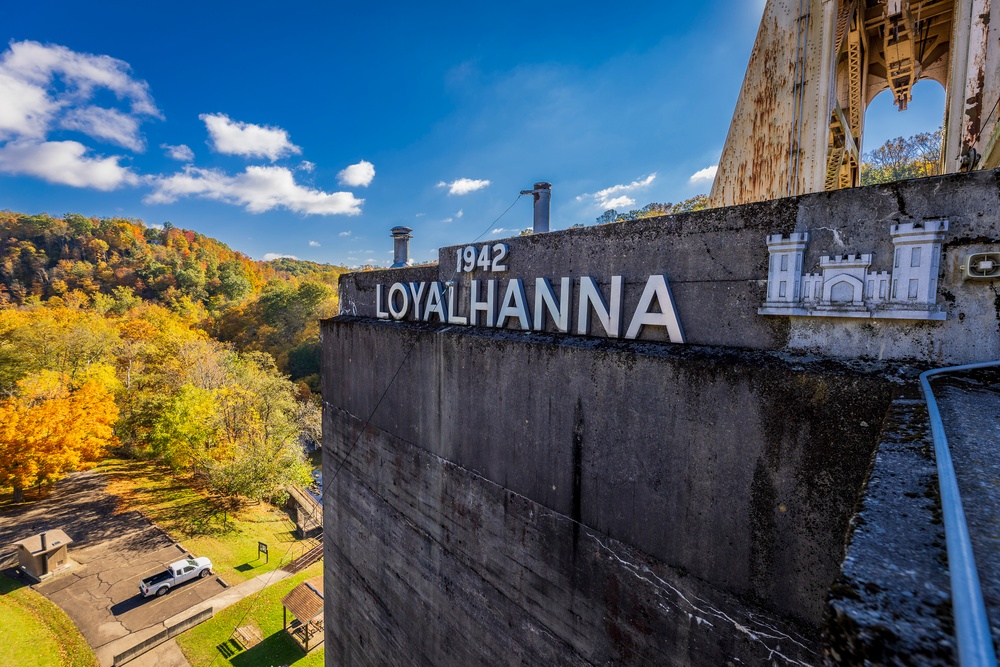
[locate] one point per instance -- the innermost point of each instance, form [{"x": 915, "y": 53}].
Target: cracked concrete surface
[{"x": 113, "y": 552}]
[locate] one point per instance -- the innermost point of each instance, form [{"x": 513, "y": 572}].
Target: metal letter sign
[{"x": 497, "y": 303}]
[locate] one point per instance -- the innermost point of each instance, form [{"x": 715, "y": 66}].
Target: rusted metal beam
[{"x": 816, "y": 66}]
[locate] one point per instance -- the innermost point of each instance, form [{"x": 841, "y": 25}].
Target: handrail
[{"x": 972, "y": 628}]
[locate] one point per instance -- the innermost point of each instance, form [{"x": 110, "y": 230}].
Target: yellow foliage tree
[{"x": 48, "y": 429}]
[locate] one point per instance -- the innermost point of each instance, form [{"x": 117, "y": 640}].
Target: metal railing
[{"x": 972, "y": 627}]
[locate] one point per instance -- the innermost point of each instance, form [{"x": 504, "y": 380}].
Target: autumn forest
[{"x": 118, "y": 337}]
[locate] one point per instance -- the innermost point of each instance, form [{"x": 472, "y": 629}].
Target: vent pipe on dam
[
  {"x": 401, "y": 247},
  {"x": 543, "y": 204}
]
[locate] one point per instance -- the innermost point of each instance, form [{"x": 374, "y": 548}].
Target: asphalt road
[{"x": 114, "y": 552}]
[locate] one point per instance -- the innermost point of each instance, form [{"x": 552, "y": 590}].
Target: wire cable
[
  {"x": 361, "y": 431},
  {"x": 253, "y": 601}
]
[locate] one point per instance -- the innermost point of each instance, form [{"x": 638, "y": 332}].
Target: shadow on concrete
[
  {"x": 78, "y": 505},
  {"x": 128, "y": 605}
]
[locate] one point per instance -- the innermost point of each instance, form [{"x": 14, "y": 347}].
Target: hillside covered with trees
[{"x": 155, "y": 342}]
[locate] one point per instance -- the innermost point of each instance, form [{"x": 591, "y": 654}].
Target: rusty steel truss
[{"x": 817, "y": 65}]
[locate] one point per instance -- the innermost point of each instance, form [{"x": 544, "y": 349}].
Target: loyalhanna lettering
[{"x": 437, "y": 301}]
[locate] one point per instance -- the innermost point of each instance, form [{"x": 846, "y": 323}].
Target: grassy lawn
[
  {"x": 190, "y": 517},
  {"x": 209, "y": 641},
  {"x": 33, "y": 631}
]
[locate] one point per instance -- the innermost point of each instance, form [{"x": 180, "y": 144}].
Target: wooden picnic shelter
[{"x": 305, "y": 603}]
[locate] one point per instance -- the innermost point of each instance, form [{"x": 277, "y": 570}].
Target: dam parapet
[{"x": 602, "y": 445}]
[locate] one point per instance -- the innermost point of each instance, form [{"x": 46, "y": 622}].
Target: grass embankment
[
  {"x": 34, "y": 631},
  {"x": 190, "y": 516},
  {"x": 210, "y": 641}
]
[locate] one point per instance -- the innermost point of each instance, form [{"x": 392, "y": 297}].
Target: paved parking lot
[{"x": 114, "y": 553}]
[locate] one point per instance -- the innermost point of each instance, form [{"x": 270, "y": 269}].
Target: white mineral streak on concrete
[
  {"x": 839, "y": 242},
  {"x": 702, "y": 608}
]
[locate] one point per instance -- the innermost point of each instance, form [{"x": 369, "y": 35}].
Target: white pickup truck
[{"x": 175, "y": 574}]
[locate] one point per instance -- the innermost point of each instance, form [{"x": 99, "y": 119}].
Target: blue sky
[{"x": 306, "y": 130}]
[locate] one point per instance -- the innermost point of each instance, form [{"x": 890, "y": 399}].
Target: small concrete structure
[
  {"x": 306, "y": 604},
  {"x": 43, "y": 555}
]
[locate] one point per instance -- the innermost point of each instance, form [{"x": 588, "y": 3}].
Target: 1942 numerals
[{"x": 486, "y": 258}]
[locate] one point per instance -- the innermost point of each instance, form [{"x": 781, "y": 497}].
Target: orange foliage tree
[{"x": 48, "y": 428}]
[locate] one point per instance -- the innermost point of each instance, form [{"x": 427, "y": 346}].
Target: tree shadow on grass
[
  {"x": 278, "y": 649},
  {"x": 11, "y": 579},
  {"x": 202, "y": 517}
]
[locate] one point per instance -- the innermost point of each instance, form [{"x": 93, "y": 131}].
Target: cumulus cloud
[
  {"x": 357, "y": 175},
  {"x": 617, "y": 195},
  {"x": 464, "y": 186},
  {"x": 344, "y": 234},
  {"x": 306, "y": 166},
  {"x": 32, "y": 100},
  {"x": 706, "y": 175},
  {"x": 258, "y": 189},
  {"x": 460, "y": 213},
  {"x": 237, "y": 138},
  {"x": 47, "y": 87},
  {"x": 277, "y": 255},
  {"x": 65, "y": 163},
  {"x": 314, "y": 244},
  {"x": 181, "y": 153},
  {"x": 108, "y": 125},
  {"x": 500, "y": 230}
]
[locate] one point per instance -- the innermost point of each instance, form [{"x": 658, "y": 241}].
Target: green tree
[{"x": 903, "y": 158}]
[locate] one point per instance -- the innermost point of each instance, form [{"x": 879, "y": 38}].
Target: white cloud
[
  {"x": 80, "y": 75},
  {"x": 65, "y": 163},
  {"x": 277, "y": 255},
  {"x": 460, "y": 213},
  {"x": 615, "y": 196},
  {"x": 448, "y": 220},
  {"x": 617, "y": 202},
  {"x": 419, "y": 215},
  {"x": 314, "y": 244},
  {"x": 306, "y": 166},
  {"x": 500, "y": 230},
  {"x": 45, "y": 87},
  {"x": 344, "y": 234},
  {"x": 109, "y": 125},
  {"x": 258, "y": 188},
  {"x": 464, "y": 186},
  {"x": 352, "y": 259},
  {"x": 706, "y": 175},
  {"x": 27, "y": 109},
  {"x": 181, "y": 153},
  {"x": 357, "y": 175},
  {"x": 237, "y": 138}
]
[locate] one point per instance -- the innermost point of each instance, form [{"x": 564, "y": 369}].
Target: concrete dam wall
[{"x": 560, "y": 484}]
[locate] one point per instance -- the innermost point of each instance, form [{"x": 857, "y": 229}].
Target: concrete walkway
[
  {"x": 170, "y": 655},
  {"x": 970, "y": 411}
]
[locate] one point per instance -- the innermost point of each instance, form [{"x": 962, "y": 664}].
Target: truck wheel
[
  {"x": 204, "y": 573},
  {"x": 160, "y": 592}
]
